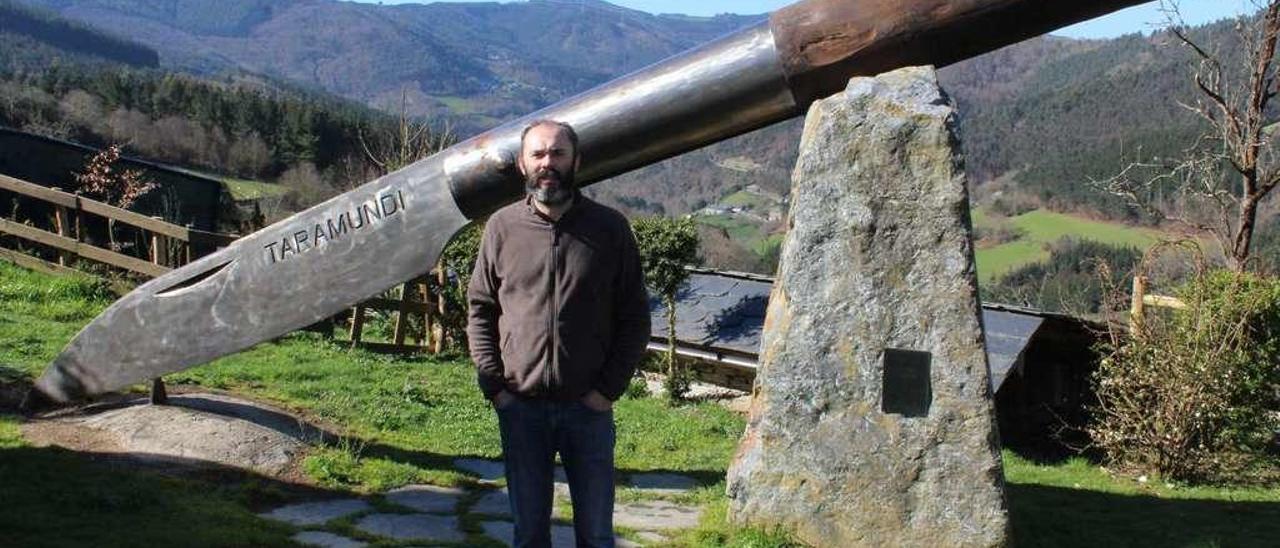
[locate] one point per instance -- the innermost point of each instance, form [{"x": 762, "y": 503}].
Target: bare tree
[
  {"x": 409, "y": 141},
  {"x": 1220, "y": 183}
]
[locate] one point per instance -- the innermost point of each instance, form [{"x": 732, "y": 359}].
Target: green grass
[
  {"x": 1039, "y": 229},
  {"x": 408, "y": 418},
  {"x": 751, "y": 200},
  {"x": 460, "y": 106},
  {"x": 1048, "y": 226},
  {"x": 404, "y": 420},
  {"x": 1076, "y": 503},
  {"x": 39, "y": 313},
  {"x": 244, "y": 189}
]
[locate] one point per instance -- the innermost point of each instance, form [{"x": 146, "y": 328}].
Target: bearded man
[{"x": 558, "y": 320}]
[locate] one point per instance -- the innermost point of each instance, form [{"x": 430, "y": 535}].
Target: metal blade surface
[{"x": 282, "y": 278}]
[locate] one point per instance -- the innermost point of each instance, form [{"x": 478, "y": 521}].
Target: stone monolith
[{"x": 872, "y": 421}]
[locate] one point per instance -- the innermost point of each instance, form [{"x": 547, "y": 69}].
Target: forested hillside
[{"x": 31, "y": 37}]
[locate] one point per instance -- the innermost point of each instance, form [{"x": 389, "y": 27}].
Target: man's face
[{"x": 548, "y": 163}]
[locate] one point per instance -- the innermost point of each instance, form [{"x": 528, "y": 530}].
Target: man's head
[{"x": 549, "y": 160}]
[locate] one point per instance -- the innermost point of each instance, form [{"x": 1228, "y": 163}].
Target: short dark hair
[{"x": 566, "y": 128}]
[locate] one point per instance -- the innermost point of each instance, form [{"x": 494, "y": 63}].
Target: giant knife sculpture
[{"x": 314, "y": 264}]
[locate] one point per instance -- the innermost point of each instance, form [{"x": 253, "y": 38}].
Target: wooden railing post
[
  {"x": 357, "y": 324},
  {"x": 62, "y": 222},
  {"x": 157, "y": 256},
  {"x": 442, "y": 280},
  {"x": 424, "y": 337},
  {"x": 186, "y": 247},
  {"x": 1136, "y": 305},
  {"x": 402, "y": 316},
  {"x": 80, "y": 237}
]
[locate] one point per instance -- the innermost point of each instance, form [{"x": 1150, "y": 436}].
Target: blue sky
[{"x": 1139, "y": 18}]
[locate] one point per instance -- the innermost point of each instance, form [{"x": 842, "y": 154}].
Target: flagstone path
[{"x": 428, "y": 513}]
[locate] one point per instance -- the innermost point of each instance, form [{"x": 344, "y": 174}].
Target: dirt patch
[{"x": 54, "y": 433}]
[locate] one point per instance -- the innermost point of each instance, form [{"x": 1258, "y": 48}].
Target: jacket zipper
[{"x": 553, "y": 310}]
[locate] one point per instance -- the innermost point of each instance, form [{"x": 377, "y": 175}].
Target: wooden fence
[
  {"x": 416, "y": 299},
  {"x": 1140, "y": 300},
  {"x": 165, "y": 246}
]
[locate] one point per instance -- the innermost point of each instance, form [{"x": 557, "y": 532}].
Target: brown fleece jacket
[{"x": 557, "y": 308}]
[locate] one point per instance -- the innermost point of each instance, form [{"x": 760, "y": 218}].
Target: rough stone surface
[
  {"x": 412, "y": 527},
  {"x": 879, "y": 256},
  {"x": 203, "y": 427},
  {"x": 656, "y": 515},
  {"x": 426, "y": 498},
  {"x": 326, "y": 540},
  {"x": 662, "y": 484},
  {"x": 495, "y": 503},
  {"x": 486, "y": 470},
  {"x": 316, "y": 513}
]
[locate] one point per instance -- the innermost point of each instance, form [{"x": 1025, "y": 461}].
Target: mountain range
[{"x": 475, "y": 62}]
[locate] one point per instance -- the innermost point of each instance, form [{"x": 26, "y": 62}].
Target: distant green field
[
  {"x": 1040, "y": 228},
  {"x": 743, "y": 198},
  {"x": 458, "y": 105},
  {"x": 741, "y": 230},
  {"x": 244, "y": 189}
]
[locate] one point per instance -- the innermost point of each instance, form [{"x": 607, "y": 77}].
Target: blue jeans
[{"x": 533, "y": 431}]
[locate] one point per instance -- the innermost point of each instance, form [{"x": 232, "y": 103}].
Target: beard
[{"x": 558, "y": 190}]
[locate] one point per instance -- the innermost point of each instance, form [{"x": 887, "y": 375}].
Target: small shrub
[
  {"x": 1012, "y": 205},
  {"x": 667, "y": 246},
  {"x": 103, "y": 181},
  {"x": 1193, "y": 395},
  {"x": 1002, "y": 232},
  {"x": 638, "y": 389}
]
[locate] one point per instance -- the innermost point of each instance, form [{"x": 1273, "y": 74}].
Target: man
[{"x": 558, "y": 320}]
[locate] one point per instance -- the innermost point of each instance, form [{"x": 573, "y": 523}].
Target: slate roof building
[{"x": 1039, "y": 362}]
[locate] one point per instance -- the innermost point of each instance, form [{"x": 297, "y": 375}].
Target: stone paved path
[{"x": 427, "y": 513}]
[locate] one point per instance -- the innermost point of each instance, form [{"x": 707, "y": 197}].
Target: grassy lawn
[
  {"x": 1039, "y": 228},
  {"x": 1077, "y": 504},
  {"x": 244, "y": 189},
  {"x": 406, "y": 419}
]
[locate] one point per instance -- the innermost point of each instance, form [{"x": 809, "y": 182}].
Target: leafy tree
[{"x": 667, "y": 246}]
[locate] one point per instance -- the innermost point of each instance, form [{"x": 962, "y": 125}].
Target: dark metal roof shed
[{"x": 720, "y": 319}]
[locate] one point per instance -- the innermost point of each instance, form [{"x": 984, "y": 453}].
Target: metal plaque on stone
[{"x": 907, "y": 389}]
